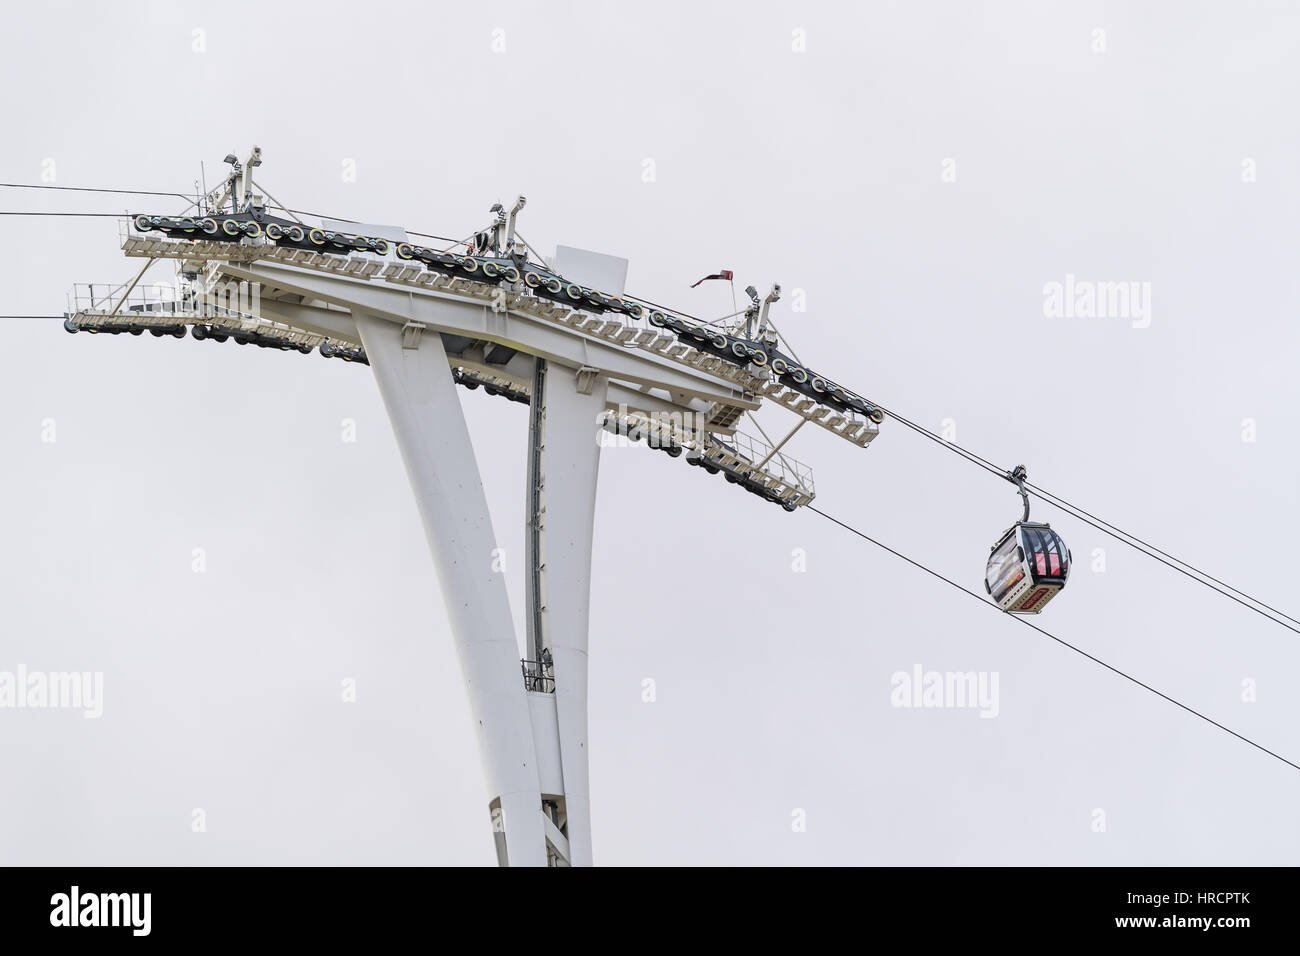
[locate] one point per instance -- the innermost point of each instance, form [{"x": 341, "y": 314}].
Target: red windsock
[{"x": 724, "y": 274}]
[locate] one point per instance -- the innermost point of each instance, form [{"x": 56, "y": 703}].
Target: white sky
[{"x": 820, "y": 170}]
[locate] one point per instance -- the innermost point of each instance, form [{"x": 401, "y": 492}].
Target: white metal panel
[
  {"x": 546, "y": 738},
  {"x": 420, "y": 397},
  {"x": 571, "y": 458},
  {"x": 555, "y": 343},
  {"x": 373, "y": 231},
  {"x": 595, "y": 270}
]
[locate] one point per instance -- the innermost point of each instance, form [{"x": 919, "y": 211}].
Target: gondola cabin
[{"x": 1027, "y": 568}]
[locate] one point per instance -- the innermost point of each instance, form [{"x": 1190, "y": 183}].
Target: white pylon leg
[
  {"x": 566, "y": 446},
  {"x": 420, "y": 397}
]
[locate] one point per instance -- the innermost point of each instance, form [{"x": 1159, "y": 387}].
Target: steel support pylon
[
  {"x": 532, "y": 743},
  {"x": 564, "y": 463}
]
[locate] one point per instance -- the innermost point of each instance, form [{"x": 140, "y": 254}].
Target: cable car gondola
[{"x": 1029, "y": 564}]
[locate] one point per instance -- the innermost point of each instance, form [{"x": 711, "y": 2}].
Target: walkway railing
[{"x": 538, "y": 677}]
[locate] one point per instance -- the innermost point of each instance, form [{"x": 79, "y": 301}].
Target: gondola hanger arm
[{"x": 1018, "y": 476}]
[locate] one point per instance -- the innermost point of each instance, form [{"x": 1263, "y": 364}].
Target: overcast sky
[{"x": 921, "y": 172}]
